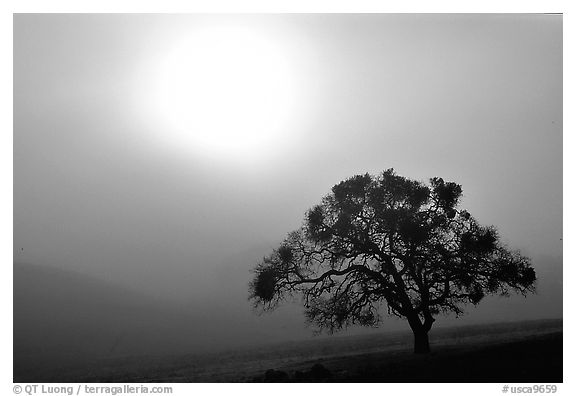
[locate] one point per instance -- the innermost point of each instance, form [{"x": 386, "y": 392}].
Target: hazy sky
[{"x": 113, "y": 176}]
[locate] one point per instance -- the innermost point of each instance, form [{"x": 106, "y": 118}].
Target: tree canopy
[{"x": 390, "y": 241}]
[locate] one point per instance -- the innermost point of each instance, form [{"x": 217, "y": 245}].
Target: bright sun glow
[{"x": 225, "y": 91}]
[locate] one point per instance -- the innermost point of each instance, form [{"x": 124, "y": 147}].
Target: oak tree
[{"x": 389, "y": 241}]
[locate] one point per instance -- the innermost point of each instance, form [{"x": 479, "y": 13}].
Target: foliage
[{"x": 389, "y": 240}]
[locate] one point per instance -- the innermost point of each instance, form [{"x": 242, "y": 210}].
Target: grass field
[{"x": 506, "y": 352}]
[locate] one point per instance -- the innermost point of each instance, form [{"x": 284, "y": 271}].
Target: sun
[{"x": 225, "y": 91}]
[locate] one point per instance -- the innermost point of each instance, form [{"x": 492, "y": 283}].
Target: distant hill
[
  {"x": 63, "y": 317},
  {"x": 64, "y": 314}
]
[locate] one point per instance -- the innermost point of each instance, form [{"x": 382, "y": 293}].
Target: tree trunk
[{"x": 421, "y": 344}]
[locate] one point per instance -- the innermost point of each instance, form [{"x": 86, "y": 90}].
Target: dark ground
[
  {"x": 534, "y": 359},
  {"x": 505, "y": 352}
]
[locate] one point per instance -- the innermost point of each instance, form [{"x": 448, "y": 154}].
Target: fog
[{"x": 101, "y": 191}]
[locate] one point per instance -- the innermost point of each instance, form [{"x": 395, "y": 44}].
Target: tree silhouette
[{"x": 388, "y": 240}]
